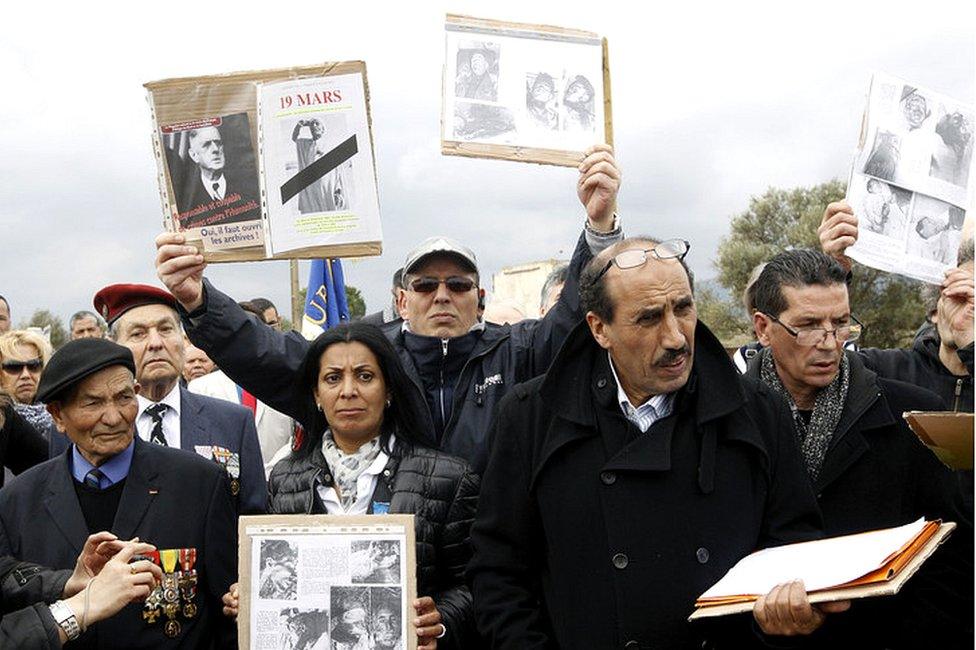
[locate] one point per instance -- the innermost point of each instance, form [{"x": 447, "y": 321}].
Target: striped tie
[
  {"x": 93, "y": 479},
  {"x": 156, "y": 413}
]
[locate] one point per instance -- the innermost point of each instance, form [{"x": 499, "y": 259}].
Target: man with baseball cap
[
  {"x": 460, "y": 365},
  {"x": 144, "y": 319},
  {"x": 109, "y": 479}
]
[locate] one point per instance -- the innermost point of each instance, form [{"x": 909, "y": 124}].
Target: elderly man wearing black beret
[{"x": 108, "y": 479}]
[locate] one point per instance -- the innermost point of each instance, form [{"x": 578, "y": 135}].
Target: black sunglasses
[
  {"x": 455, "y": 284},
  {"x": 17, "y": 367}
]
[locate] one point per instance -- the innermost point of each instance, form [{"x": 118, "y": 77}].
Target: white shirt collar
[
  {"x": 209, "y": 185},
  {"x": 660, "y": 403},
  {"x": 171, "y": 400}
]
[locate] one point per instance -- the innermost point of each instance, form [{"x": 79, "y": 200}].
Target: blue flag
[{"x": 325, "y": 298}]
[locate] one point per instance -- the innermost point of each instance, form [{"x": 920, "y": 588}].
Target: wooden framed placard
[
  {"x": 530, "y": 93},
  {"x": 327, "y": 581},
  {"x": 269, "y": 164}
]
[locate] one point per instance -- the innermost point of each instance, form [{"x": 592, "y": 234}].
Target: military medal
[
  {"x": 172, "y": 628},
  {"x": 150, "y": 611},
  {"x": 188, "y": 581},
  {"x": 231, "y": 463}
]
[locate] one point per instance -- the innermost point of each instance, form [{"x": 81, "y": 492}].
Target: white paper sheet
[{"x": 820, "y": 564}]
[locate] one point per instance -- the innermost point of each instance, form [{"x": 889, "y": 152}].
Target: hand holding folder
[{"x": 875, "y": 563}]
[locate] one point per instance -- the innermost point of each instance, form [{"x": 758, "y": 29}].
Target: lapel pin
[{"x": 153, "y": 491}]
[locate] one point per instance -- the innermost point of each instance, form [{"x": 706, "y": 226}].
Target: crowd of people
[{"x": 576, "y": 480}]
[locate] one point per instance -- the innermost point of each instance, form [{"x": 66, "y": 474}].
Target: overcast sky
[{"x": 712, "y": 104}]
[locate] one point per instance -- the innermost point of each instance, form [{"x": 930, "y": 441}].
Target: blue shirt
[{"x": 113, "y": 470}]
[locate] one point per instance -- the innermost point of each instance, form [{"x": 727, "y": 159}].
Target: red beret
[{"x": 116, "y": 299}]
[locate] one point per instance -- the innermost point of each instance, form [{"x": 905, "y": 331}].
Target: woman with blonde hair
[{"x": 23, "y": 356}]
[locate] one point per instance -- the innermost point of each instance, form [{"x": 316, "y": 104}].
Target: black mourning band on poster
[{"x": 319, "y": 168}]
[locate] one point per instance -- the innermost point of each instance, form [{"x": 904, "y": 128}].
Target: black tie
[
  {"x": 156, "y": 413},
  {"x": 93, "y": 478}
]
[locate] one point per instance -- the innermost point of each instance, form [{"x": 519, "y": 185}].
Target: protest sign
[
  {"x": 269, "y": 164},
  {"x": 910, "y": 182},
  {"x": 333, "y": 581},
  {"x": 531, "y": 93}
]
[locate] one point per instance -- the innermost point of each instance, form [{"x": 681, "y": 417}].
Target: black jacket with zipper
[
  {"x": 922, "y": 366},
  {"x": 489, "y": 363},
  {"x": 442, "y": 494}
]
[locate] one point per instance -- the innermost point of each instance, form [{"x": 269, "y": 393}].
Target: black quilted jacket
[{"x": 442, "y": 493}]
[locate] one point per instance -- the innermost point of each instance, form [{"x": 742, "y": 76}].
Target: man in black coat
[
  {"x": 868, "y": 469},
  {"x": 942, "y": 363},
  {"x": 110, "y": 480},
  {"x": 460, "y": 365},
  {"x": 630, "y": 477}
]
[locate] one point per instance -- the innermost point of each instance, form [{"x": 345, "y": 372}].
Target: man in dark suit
[
  {"x": 110, "y": 480},
  {"x": 212, "y": 181},
  {"x": 144, "y": 319}
]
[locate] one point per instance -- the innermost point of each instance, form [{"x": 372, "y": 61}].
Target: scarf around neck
[
  {"x": 814, "y": 437},
  {"x": 347, "y": 468}
]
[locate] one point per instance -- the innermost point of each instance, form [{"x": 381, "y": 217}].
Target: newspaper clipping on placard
[
  {"x": 214, "y": 173},
  {"x": 510, "y": 88},
  {"x": 317, "y": 163},
  {"x": 330, "y": 587},
  {"x": 911, "y": 182}
]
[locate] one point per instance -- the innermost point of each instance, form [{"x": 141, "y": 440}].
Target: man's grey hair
[
  {"x": 556, "y": 276},
  {"x": 800, "y": 267},
  {"x": 83, "y": 314},
  {"x": 965, "y": 252}
]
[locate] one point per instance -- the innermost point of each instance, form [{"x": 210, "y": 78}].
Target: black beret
[{"x": 77, "y": 360}]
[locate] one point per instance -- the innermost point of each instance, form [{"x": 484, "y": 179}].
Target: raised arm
[
  {"x": 258, "y": 358},
  {"x": 597, "y": 187},
  {"x": 838, "y": 232}
]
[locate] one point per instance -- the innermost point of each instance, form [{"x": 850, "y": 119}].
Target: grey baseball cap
[{"x": 440, "y": 246}]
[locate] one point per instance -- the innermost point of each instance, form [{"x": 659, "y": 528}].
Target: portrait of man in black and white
[
  {"x": 953, "y": 151},
  {"x": 350, "y": 608},
  {"x": 214, "y": 164},
  {"x": 578, "y": 104},
  {"x": 477, "y": 71},
  {"x": 481, "y": 121},
  {"x": 540, "y": 100},
  {"x": 379, "y": 562},
  {"x": 385, "y": 621},
  {"x": 885, "y": 156},
  {"x": 278, "y": 579},
  {"x": 306, "y": 629}
]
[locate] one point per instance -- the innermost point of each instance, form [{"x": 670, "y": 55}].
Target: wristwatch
[{"x": 65, "y": 619}]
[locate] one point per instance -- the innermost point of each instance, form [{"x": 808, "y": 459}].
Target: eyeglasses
[
  {"x": 17, "y": 367},
  {"x": 455, "y": 284},
  {"x": 666, "y": 250},
  {"x": 809, "y": 337}
]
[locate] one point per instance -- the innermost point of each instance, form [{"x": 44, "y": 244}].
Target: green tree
[
  {"x": 43, "y": 318},
  {"x": 725, "y": 318},
  {"x": 889, "y": 305}
]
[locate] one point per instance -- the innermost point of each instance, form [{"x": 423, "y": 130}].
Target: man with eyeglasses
[
  {"x": 633, "y": 475},
  {"x": 460, "y": 365},
  {"x": 867, "y": 468}
]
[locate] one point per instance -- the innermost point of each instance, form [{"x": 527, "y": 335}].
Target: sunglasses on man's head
[
  {"x": 17, "y": 367},
  {"x": 455, "y": 284}
]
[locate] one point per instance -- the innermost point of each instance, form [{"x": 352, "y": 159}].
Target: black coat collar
[{"x": 577, "y": 370}]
